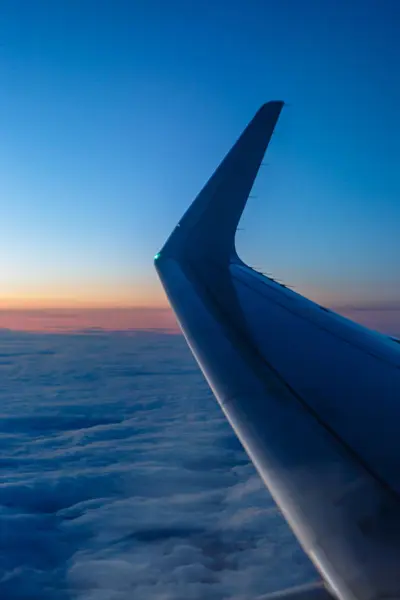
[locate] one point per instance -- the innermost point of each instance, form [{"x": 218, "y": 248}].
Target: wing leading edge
[{"x": 313, "y": 397}]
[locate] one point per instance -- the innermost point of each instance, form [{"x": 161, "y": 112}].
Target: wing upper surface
[{"x": 312, "y": 396}]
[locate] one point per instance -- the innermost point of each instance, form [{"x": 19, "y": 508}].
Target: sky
[{"x": 114, "y": 114}]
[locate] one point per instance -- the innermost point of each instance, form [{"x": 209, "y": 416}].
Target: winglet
[{"x": 207, "y": 229}]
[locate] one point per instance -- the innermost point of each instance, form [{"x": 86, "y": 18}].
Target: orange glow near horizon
[
  {"x": 96, "y": 295},
  {"x": 85, "y": 296},
  {"x": 144, "y": 307},
  {"x": 112, "y": 306}
]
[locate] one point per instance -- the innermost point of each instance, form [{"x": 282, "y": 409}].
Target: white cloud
[{"x": 121, "y": 478}]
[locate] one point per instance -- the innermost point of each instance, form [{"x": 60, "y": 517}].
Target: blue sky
[{"x": 114, "y": 114}]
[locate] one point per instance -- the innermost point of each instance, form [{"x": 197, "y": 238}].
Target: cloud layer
[{"x": 121, "y": 478}]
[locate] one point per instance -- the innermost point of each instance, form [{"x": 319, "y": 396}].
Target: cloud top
[{"x": 121, "y": 478}]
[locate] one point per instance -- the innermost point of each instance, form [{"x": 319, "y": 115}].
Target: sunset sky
[{"x": 114, "y": 114}]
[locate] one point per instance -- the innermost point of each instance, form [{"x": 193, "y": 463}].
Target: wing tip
[
  {"x": 271, "y": 109},
  {"x": 209, "y": 225},
  {"x": 270, "y": 103}
]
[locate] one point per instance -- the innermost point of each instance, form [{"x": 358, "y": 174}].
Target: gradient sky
[{"x": 114, "y": 113}]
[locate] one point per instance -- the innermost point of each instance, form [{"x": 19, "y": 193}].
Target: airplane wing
[{"x": 313, "y": 397}]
